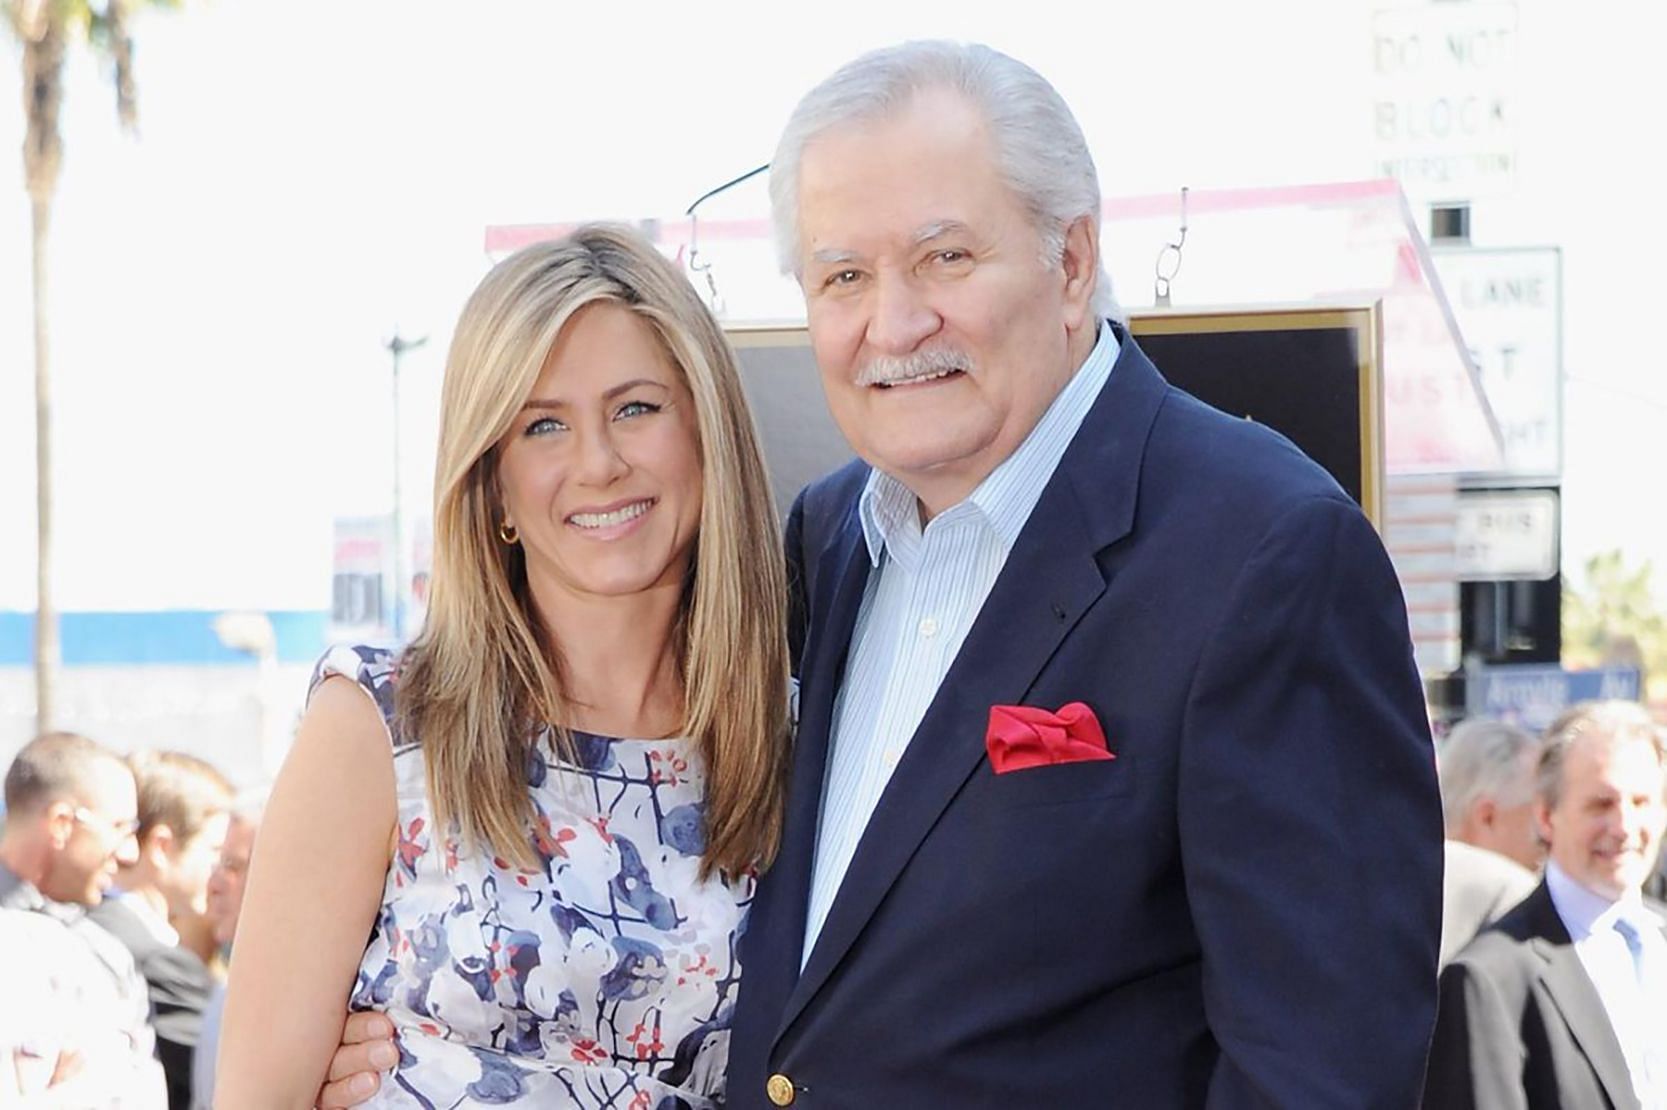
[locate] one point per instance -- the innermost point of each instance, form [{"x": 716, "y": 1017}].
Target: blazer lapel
[
  {"x": 1576, "y": 999},
  {"x": 847, "y": 562},
  {"x": 1050, "y": 579}
]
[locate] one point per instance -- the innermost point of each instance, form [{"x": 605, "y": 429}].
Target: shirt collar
[
  {"x": 1584, "y": 911},
  {"x": 154, "y": 923},
  {"x": 1007, "y": 495},
  {"x": 16, "y": 893}
]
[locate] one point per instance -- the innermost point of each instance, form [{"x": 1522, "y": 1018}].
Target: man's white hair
[
  {"x": 1040, "y": 150},
  {"x": 1485, "y": 759}
]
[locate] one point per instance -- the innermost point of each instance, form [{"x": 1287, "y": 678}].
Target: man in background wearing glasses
[{"x": 71, "y": 814}]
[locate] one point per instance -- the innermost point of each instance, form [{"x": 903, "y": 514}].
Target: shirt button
[{"x": 929, "y": 627}]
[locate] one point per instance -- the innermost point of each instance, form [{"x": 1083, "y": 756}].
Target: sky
[{"x": 312, "y": 175}]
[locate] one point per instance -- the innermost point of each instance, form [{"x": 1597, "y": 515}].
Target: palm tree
[
  {"x": 1614, "y": 618},
  {"x": 45, "y": 29}
]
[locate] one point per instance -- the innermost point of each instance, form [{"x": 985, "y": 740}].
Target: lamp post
[
  {"x": 252, "y": 632},
  {"x": 397, "y": 346}
]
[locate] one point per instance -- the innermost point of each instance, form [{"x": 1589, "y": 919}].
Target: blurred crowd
[
  {"x": 1553, "y": 989},
  {"x": 120, "y": 885},
  {"x": 1498, "y": 800}
]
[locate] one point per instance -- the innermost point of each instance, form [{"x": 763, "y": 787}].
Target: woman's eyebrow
[{"x": 607, "y": 394}]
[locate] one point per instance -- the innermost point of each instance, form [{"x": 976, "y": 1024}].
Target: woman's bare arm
[{"x": 315, "y": 886}]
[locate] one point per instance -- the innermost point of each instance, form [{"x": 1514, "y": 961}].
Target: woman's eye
[
  {"x": 544, "y": 425},
  {"x": 635, "y": 408},
  {"x": 952, "y": 254},
  {"x": 842, "y": 277}
]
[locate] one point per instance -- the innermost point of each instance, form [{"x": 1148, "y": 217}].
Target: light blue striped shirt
[{"x": 922, "y": 597}]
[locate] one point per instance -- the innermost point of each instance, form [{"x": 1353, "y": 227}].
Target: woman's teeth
[{"x": 617, "y": 516}]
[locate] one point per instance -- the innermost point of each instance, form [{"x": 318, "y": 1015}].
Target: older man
[
  {"x": 71, "y": 815},
  {"x": 1563, "y": 1001},
  {"x": 1493, "y": 850},
  {"x": 225, "y": 906},
  {"x": 1486, "y": 770},
  {"x": 1112, "y": 780},
  {"x": 1112, "y": 777}
]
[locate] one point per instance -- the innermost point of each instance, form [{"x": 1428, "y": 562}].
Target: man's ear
[
  {"x": 1485, "y": 812},
  {"x": 1080, "y": 263},
  {"x": 1542, "y": 821},
  {"x": 157, "y": 844},
  {"x": 60, "y": 824}
]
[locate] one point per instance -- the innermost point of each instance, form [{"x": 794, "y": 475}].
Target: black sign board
[{"x": 1310, "y": 373}]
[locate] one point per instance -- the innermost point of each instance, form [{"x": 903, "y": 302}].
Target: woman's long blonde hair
[{"x": 480, "y": 682}]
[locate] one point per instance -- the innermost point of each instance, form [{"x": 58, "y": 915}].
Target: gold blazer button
[{"x": 780, "y": 1089}]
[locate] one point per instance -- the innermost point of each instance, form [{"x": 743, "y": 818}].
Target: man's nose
[
  {"x": 903, "y": 317},
  {"x": 127, "y": 850},
  {"x": 1634, "y": 820}
]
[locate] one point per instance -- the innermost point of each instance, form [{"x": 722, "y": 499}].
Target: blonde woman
[{"x": 547, "y": 813}]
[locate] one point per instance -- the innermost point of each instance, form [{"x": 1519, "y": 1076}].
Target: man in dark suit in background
[
  {"x": 1562, "y": 1003},
  {"x": 1112, "y": 780}
]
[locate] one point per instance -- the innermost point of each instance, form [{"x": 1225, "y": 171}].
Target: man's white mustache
[{"x": 885, "y": 370}]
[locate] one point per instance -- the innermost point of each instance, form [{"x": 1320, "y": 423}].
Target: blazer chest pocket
[{"x": 1060, "y": 783}]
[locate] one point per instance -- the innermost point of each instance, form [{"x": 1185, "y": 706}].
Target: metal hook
[
  {"x": 695, "y": 263},
  {"x": 1170, "y": 253}
]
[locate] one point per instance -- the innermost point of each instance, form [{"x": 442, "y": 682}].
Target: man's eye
[
  {"x": 635, "y": 408},
  {"x": 951, "y": 255},
  {"x": 544, "y": 425}
]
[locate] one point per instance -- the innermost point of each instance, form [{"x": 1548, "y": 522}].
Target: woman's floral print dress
[{"x": 604, "y": 979}]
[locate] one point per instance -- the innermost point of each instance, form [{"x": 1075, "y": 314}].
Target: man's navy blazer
[{"x": 1241, "y": 909}]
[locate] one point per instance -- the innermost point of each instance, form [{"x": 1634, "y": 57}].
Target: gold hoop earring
[{"x": 509, "y": 533}]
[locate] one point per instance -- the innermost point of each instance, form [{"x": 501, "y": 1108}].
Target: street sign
[
  {"x": 1443, "y": 115},
  {"x": 1532, "y": 694},
  {"x": 1508, "y": 305},
  {"x": 1506, "y": 536}
]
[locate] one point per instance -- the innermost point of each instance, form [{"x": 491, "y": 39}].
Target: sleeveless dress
[{"x": 607, "y": 978}]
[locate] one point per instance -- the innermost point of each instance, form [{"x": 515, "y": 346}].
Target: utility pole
[{"x": 397, "y": 346}]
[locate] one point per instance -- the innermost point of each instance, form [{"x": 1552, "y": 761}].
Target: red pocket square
[{"x": 1022, "y": 736}]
